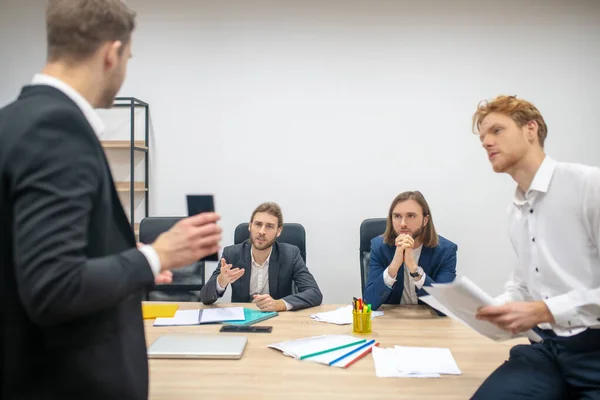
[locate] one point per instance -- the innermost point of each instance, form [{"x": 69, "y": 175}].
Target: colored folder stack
[{"x": 333, "y": 350}]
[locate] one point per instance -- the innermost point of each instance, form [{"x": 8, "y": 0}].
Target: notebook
[
  {"x": 198, "y": 346},
  {"x": 203, "y": 316},
  {"x": 252, "y": 317}
]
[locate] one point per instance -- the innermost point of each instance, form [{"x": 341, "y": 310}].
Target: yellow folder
[{"x": 150, "y": 311}]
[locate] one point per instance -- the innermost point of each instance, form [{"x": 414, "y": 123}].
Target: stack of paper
[
  {"x": 341, "y": 316},
  {"x": 460, "y": 300},
  {"x": 204, "y": 316},
  {"x": 414, "y": 362},
  {"x": 386, "y": 365},
  {"x": 333, "y": 350}
]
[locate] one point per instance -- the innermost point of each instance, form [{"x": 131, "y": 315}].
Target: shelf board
[
  {"x": 124, "y": 144},
  {"x": 125, "y": 186}
]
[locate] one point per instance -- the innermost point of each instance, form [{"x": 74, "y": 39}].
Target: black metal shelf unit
[{"x": 135, "y": 146}]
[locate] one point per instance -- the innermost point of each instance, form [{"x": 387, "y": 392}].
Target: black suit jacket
[
  {"x": 71, "y": 278},
  {"x": 286, "y": 267}
]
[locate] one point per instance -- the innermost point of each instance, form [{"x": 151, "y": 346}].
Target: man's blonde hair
[
  {"x": 521, "y": 111},
  {"x": 271, "y": 209}
]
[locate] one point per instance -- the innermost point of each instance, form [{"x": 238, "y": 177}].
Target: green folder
[{"x": 252, "y": 317}]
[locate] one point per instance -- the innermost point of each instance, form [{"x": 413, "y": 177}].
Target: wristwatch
[{"x": 419, "y": 272}]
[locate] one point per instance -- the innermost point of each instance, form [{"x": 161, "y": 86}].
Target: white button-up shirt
[
  {"x": 555, "y": 231},
  {"x": 259, "y": 277}
]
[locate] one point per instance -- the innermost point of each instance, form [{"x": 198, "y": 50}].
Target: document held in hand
[{"x": 460, "y": 301}]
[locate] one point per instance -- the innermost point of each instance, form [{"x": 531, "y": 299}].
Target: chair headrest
[
  {"x": 292, "y": 233},
  {"x": 369, "y": 229},
  {"x": 151, "y": 227}
]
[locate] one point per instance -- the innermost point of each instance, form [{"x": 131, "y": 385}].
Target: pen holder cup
[{"x": 361, "y": 322}]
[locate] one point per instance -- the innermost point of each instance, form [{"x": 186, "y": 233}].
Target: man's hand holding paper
[{"x": 516, "y": 317}]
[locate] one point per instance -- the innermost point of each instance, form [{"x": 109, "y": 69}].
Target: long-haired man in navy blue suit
[{"x": 409, "y": 255}]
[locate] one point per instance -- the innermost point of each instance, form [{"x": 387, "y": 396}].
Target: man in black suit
[
  {"x": 262, "y": 270},
  {"x": 71, "y": 277}
]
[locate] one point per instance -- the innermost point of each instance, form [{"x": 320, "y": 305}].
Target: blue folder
[{"x": 252, "y": 317}]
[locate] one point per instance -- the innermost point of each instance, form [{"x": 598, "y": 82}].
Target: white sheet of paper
[
  {"x": 386, "y": 365},
  {"x": 425, "y": 360},
  {"x": 433, "y": 302},
  {"x": 181, "y": 318},
  {"x": 461, "y": 299},
  {"x": 222, "y": 314},
  {"x": 340, "y": 316}
]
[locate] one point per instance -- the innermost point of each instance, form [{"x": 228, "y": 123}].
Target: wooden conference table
[{"x": 265, "y": 373}]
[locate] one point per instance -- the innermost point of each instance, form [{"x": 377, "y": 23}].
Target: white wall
[{"x": 331, "y": 108}]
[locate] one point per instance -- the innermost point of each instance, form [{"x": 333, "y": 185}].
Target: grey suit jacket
[{"x": 286, "y": 266}]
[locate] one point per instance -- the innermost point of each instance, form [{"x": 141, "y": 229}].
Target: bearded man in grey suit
[{"x": 262, "y": 270}]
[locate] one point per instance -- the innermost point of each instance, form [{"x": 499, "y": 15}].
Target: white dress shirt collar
[
  {"x": 540, "y": 183},
  {"x": 266, "y": 263},
  {"x": 86, "y": 108}
]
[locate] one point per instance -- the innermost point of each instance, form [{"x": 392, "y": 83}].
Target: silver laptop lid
[{"x": 198, "y": 346}]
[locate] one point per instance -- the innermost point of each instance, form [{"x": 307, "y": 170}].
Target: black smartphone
[
  {"x": 198, "y": 204},
  {"x": 246, "y": 328}
]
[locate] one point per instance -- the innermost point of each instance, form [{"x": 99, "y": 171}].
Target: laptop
[{"x": 198, "y": 347}]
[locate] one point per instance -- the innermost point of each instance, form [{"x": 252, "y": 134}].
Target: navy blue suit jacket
[{"x": 439, "y": 264}]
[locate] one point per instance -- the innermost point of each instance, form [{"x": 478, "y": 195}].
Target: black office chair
[
  {"x": 186, "y": 280},
  {"x": 292, "y": 233},
  {"x": 369, "y": 229}
]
